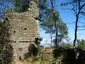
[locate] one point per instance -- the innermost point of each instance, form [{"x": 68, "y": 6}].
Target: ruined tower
[{"x": 24, "y": 28}]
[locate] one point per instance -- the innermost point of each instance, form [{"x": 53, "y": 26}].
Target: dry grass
[
  {"x": 36, "y": 62},
  {"x": 31, "y": 62},
  {"x": 17, "y": 62}
]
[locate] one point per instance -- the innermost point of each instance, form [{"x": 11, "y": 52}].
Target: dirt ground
[{"x": 17, "y": 62}]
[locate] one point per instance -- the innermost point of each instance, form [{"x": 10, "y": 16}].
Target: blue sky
[
  {"x": 66, "y": 15},
  {"x": 69, "y": 18}
]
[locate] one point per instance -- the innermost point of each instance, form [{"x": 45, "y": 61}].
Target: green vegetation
[
  {"x": 66, "y": 45},
  {"x": 21, "y": 5},
  {"x": 37, "y": 62},
  {"x": 81, "y": 44},
  {"x": 48, "y": 23}
]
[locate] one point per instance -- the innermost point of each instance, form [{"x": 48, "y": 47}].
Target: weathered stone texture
[{"x": 24, "y": 29}]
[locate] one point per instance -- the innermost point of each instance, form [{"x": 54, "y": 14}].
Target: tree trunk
[
  {"x": 76, "y": 26},
  {"x": 54, "y": 18}
]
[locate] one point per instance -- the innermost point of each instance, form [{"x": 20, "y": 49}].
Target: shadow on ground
[{"x": 70, "y": 55}]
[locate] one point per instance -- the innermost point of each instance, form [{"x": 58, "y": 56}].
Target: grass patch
[{"x": 38, "y": 61}]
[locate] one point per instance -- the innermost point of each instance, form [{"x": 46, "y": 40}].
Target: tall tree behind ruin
[
  {"x": 51, "y": 21},
  {"x": 77, "y": 6}
]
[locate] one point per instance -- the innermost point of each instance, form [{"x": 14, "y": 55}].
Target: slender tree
[
  {"x": 78, "y": 7},
  {"x": 54, "y": 18},
  {"x": 49, "y": 27},
  {"x": 51, "y": 21}
]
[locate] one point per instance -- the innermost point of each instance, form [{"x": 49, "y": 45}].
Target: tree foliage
[
  {"x": 18, "y": 5},
  {"x": 66, "y": 45},
  {"x": 81, "y": 44},
  {"x": 48, "y": 23},
  {"x": 21, "y": 5}
]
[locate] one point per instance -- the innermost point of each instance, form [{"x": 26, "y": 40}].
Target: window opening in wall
[
  {"x": 14, "y": 31},
  {"x": 36, "y": 18},
  {"x": 20, "y": 58},
  {"x": 25, "y": 28},
  {"x": 6, "y": 19},
  {"x": 20, "y": 49}
]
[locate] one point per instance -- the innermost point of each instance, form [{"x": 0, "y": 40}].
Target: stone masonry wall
[{"x": 24, "y": 28}]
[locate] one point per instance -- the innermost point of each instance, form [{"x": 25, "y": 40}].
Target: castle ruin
[{"x": 24, "y": 29}]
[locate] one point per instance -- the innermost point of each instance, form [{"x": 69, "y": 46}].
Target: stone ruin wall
[{"x": 24, "y": 28}]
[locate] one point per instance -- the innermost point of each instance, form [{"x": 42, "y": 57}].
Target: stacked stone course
[{"x": 24, "y": 28}]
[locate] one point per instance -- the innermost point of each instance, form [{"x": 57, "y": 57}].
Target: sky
[{"x": 67, "y": 17}]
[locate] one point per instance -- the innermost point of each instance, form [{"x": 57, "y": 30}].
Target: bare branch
[
  {"x": 81, "y": 22},
  {"x": 74, "y": 10},
  {"x": 82, "y": 6},
  {"x": 83, "y": 13},
  {"x": 81, "y": 26},
  {"x": 81, "y": 29}
]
